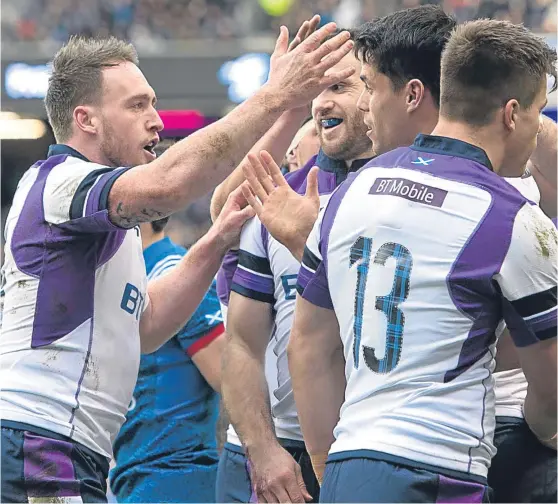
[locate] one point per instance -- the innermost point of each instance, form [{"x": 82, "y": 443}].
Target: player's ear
[
  {"x": 414, "y": 94},
  {"x": 86, "y": 119},
  {"x": 511, "y": 111}
]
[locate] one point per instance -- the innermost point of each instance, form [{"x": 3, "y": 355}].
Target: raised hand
[
  {"x": 301, "y": 74},
  {"x": 288, "y": 216},
  {"x": 235, "y": 213},
  {"x": 306, "y": 29}
]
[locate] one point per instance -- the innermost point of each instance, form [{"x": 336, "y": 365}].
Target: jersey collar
[
  {"x": 451, "y": 147},
  {"x": 336, "y": 166},
  {"x": 57, "y": 149}
]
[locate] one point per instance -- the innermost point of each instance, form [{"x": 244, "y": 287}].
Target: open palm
[{"x": 288, "y": 216}]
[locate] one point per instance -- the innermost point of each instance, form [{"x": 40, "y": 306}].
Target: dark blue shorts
[
  {"x": 39, "y": 464},
  {"x": 233, "y": 477},
  {"x": 523, "y": 470},
  {"x": 369, "y": 480}
]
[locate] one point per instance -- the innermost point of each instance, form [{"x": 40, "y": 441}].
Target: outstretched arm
[
  {"x": 276, "y": 141},
  {"x": 195, "y": 165},
  {"x": 174, "y": 297}
]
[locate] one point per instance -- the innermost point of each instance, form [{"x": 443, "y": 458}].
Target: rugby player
[
  {"x": 77, "y": 308},
  {"x": 258, "y": 394},
  {"x": 166, "y": 450},
  {"x": 305, "y": 144},
  {"x": 523, "y": 469},
  {"x": 439, "y": 249}
]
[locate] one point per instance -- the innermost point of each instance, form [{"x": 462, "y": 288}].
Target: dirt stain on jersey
[
  {"x": 92, "y": 370},
  {"x": 547, "y": 239}
]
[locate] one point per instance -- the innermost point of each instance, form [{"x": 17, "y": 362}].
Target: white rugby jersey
[
  {"x": 510, "y": 386},
  {"x": 421, "y": 254},
  {"x": 75, "y": 288},
  {"x": 267, "y": 272},
  {"x": 224, "y": 283}
]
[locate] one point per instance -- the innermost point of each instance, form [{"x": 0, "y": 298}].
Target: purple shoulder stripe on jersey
[
  {"x": 107, "y": 247},
  {"x": 298, "y": 179},
  {"x": 265, "y": 237},
  {"x": 528, "y": 332},
  {"x": 317, "y": 287},
  {"x": 97, "y": 198},
  {"x": 48, "y": 469},
  {"x": 253, "y": 282},
  {"x": 225, "y": 276},
  {"x": 96, "y": 223},
  {"x": 304, "y": 277},
  {"x": 331, "y": 213},
  {"x": 543, "y": 322},
  {"x": 452, "y": 491},
  {"x": 64, "y": 263},
  {"x": 27, "y": 246},
  {"x": 470, "y": 280},
  {"x": 555, "y": 221}
]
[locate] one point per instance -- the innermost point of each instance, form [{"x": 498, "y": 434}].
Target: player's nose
[
  {"x": 156, "y": 123},
  {"x": 321, "y": 105},
  {"x": 362, "y": 102}
]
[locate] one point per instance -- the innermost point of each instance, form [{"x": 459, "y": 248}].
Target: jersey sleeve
[
  {"x": 224, "y": 281},
  {"x": 528, "y": 278},
  {"x": 253, "y": 277},
  {"x": 312, "y": 283},
  {"x": 76, "y": 196},
  {"x": 205, "y": 325}
]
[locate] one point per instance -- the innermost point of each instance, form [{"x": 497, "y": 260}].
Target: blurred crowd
[{"x": 153, "y": 20}]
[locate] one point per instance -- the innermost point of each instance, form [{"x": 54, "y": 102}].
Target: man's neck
[
  {"x": 88, "y": 150},
  {"x": 365, "y": 155},
  {"x": 479, "y": 137}
]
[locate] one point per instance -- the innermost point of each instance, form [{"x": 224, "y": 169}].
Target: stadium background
[{"x": 201, "y": 56}]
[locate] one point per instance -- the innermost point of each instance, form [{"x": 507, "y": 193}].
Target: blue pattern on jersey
[
  {"x": 360, "y": 255},
  {"x": 172, "y": 419},
  {"x": 389, "y": 304}
]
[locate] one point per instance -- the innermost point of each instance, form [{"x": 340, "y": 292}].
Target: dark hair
[
  {"x": 76, "y": 77},
  {"x": 352, "y": 33},
  {"x": 407, "y": 45},
  {"x": 486, "y": 63},
  {"x": 159, "y": 224}
]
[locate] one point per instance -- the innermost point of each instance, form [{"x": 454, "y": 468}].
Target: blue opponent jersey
[{"x": 174, "y": 410}]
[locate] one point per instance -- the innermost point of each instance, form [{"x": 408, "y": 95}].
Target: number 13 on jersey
[{"x": 389, "y": 304}]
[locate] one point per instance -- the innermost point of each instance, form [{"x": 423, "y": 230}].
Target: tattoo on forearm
[{"x": 127, "y": 219}]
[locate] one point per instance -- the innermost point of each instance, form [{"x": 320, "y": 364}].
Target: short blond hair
[
  {"x": 486, "y": 63},
  {"x": 76, "y": 77}
]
